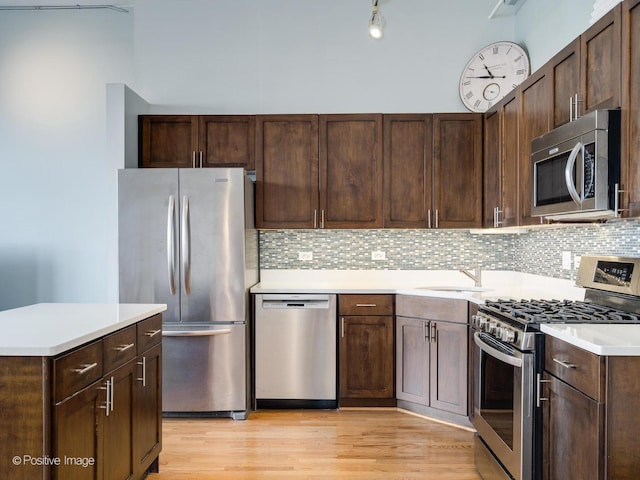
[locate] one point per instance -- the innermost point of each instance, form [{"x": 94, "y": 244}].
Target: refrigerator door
[
  {"x": 204, "y": 369},
  {"x": 212, "y": 239},
  {"x": 148, "y": 238}
]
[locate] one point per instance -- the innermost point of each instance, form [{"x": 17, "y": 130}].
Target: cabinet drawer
[
  {"x": 365, "y": 304},
  {"x": 77, "y": 369},
  {"x": 119, "y": 348},
  {"x": 577, "y": 367},
  {"x": 149, "y": 332},
  {"x": 431, "y": 308}
]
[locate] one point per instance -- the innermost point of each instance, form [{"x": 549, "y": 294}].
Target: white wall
[
  {"x": 57, "y": 182},
  {"x": 294, "y": 56},
  {"x": 546, "y": 26},
  {"x": 55, "y": 185}
]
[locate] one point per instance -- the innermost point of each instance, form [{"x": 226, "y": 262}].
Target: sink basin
[{"x": 454, "y": 288}]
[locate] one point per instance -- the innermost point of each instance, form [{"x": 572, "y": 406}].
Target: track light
[{"x": 376, "y": 23}]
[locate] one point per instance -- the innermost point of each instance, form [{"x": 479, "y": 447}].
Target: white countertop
[
  {"x": 496, "y": 284},
  {"x": 601, "y": 339},
  {"x": 598, "y": 339},
  {"x": 47, "y": 329}
]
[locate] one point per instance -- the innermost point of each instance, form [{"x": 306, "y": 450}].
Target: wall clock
[{"x": 491, "y": 73}]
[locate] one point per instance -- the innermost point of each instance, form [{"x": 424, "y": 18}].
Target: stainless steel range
[{"x": 508, "y": 361}]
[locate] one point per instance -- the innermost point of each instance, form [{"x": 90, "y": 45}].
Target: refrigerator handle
[
  {"x": 185, "y": 242},
  {"x": 195, "y": 333},
  {"x": 171, "y": 244}
]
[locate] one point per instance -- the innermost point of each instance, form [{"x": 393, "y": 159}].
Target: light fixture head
[{"x": 376, "y": 23}]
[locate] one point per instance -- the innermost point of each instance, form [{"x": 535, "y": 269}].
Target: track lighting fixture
[{"x": 376, "y": 23}]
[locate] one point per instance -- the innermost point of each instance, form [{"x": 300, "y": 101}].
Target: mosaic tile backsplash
[{"x": 538, "y": 251}]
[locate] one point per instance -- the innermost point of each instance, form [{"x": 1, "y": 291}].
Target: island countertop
[{"x": 48, "y": 329}]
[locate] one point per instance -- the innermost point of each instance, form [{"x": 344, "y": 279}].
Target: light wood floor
[{"x": 316, "y": 444}]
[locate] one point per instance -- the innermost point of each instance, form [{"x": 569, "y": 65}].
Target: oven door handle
[
  {"x": 568, "y": 170},
  {"x": 494, "y": 352}
]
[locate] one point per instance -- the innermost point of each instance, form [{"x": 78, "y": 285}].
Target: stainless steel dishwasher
[{"x": 295, "y": 351}]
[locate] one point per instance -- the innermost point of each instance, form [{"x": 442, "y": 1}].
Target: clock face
[{"x": 492, "y": 73}]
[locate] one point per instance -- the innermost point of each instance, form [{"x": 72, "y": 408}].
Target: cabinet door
[
  {"x": 76, "y": 438},
  {"x": 351, "y": 170},
  {"x": 366, "y": 357},
  {"x": 491, "y": 166},
  {"x": 287, "y": 171},
  {"x": 564, "y": 72},
  {"x": 600, "y": 60},
  {"x": 147, "y": 426},
  {"x": 534, "y": 121},
  {"x": 167, "y": 141},
  {"x": 573, "y": 433},
  {"x": 408, "y": 155},
  {"x": 631, "y": 109},
  {"x": 509, "y": 167},
  {"x": 449, "y": 367},
  {"x": 412, "y": 360},
  {"x": 457, "y": 178},
  {"x": 117, "y": 427},
  {"x": 227, "y": 140}
]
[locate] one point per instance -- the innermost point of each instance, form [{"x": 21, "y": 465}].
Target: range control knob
[
  {"x": 507, "y": 335},
  {"x": 493, "y": 327}
]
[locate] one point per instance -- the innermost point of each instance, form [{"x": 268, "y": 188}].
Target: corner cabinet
[
  {"x": 501, "y": 163},
  {"x": 196, "y": 141},
  {"x": 431, "y": 356},
  {"x": 366, "y": 350},
  {"x": 589, "y": 426},
  {"x": 94, "y": 412}
]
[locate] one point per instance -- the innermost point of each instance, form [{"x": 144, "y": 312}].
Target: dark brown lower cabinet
[
  {"x": 590, "y": 421},
  {"x": 92, "y": 413},
  {"x": 366, "y": 360},
  {"x": 432, "y": 356},
  {"x": 573, "y": 432},
  {"x": 147, "y": 421},
  {"x": 76, "y": 434}
]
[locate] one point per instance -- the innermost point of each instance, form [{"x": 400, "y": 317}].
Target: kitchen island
[{"x": 80, "y": 391}]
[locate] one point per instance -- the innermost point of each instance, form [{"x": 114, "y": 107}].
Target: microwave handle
[{"x": 569, "y": 169}]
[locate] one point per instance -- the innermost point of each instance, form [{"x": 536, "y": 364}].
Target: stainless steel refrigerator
[{"x": 187, "y": 238}]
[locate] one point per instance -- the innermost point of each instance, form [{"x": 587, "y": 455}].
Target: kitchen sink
[{"x": 454, "y": 288}]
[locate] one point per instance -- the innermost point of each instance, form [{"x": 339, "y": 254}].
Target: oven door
[{"x": 503, "y": 403}]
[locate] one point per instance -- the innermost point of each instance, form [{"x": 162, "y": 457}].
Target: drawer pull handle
[
  {"x": 122, "y": 348},
  {"x": 85, "y": 368},
  {"x": 366, "y": 305},
  {"x": 153, "y": 333},
  {"x": 564, "y": 364}
]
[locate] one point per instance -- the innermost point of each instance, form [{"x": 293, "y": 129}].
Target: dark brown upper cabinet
[
  {"x": 195, "y": 141},
  {"x": 587, "y": 72}
]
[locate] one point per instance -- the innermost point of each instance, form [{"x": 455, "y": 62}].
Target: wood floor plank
[{"x": 316, "y": 444}]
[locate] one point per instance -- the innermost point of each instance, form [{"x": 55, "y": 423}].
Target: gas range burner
[{"x": 559, "y": 311}]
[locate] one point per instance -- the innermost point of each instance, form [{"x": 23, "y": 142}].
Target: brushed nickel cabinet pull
[
  {"x": 122, "y": 348},
  {"x": 152, "y": 333},
  {"x": 85, "y": 368},
  {"x": 564, "y": 364},
  {"x": 366, "y": 305},
  {"x": 143, "y": 379}
]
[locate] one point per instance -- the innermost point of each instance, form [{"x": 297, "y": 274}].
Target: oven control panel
[{"x": 504, "y": 332}]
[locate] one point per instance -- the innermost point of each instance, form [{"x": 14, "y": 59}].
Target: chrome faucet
[{"x": 476, "y": 276}]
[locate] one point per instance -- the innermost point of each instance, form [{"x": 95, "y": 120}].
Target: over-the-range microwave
[{"x": 576, "y": 169}]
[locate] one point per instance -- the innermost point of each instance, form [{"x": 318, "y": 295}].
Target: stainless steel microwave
[{"x": 576, "y": 169}]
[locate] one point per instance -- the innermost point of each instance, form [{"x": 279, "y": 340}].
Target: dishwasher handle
[{"x": 295, "y": 301}]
